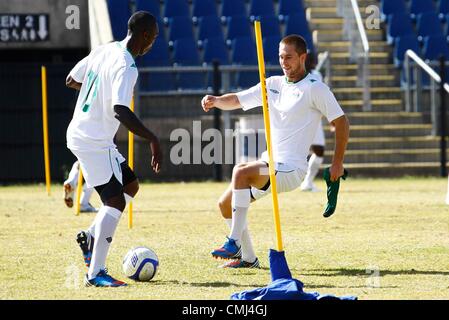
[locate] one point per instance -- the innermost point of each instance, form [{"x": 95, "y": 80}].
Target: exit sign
[{"x": 24, "y": 27}]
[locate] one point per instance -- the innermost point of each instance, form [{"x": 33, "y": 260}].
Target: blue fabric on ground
[
  {"x": 278, "y": 265},
  {"x": 283, "y": 287}
]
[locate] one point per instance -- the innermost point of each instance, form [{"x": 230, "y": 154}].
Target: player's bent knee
[
  {"x": 240, "y": 173},
  {"x": 318, "y": 150},
  {"x": 117, "y": 202},
  {"x": 132, "y": 188}
]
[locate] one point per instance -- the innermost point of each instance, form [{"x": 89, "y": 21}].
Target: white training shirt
[
  {"x": 108, "y": 75},
  {"x": 295, "y": 112}
]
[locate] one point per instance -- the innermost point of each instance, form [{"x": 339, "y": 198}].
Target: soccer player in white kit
[
  {"x": 296, "y": 102},
  {"x": 106, "y": 79},
  {"x": 70, "y": 185}
]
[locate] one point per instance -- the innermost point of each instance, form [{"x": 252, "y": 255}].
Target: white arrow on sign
[{"x": 42, "y": 32}]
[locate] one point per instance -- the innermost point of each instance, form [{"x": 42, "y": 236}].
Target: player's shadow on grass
[
  {"x": 363, "y": 272},
  {"x": 215, "y": 284}
]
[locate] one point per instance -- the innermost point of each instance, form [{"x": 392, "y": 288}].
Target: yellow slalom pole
[
  {"x": 45, "y": 128},
  {"x": 131, "y": 165},
  {"x": 266, "y": 120},
  {"x": 79, "y": 188}
]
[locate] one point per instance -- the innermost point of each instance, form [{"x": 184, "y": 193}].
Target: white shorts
[
  {"x": 319, "y": 139},
  {"x": 287, "y": 179},
  {"x": 99, "y": 166}
]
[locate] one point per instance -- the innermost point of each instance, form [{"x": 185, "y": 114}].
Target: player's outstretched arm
[
  {"x": 69, "y": 82},
  {"x": 225, "y": 102},
  {"x": 341, "y": 125},
  {"x": 133, "y": 124}
]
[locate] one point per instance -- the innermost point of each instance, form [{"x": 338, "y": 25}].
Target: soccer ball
[{"x": 140, "y": 264}]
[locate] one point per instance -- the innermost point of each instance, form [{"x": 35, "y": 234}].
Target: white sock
[
  {"x": 314, "y": 166},
  {"x": 91, "y": 229},
  {"x": 85, "y": 195},
  {"x": 248, "y": 253},
  {"x": 72, "y": 179},
  {"x": 108, "y": 219},
  {"x": 240, "y": 203}
]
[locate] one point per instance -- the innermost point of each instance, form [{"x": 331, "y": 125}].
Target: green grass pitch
[{"x": 389, "y": 239}]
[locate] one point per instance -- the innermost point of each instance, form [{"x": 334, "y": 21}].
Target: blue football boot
[{"x": 230, "y": 250}]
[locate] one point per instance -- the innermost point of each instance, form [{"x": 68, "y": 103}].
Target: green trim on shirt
[
  {"x": 293, "y": 82},
  {"x": 120, "y": 45}
]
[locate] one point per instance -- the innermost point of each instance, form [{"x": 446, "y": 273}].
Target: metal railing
[
  {"x": 324, "y": 63},
  {"x": 418, "y": 66},
  {"x": 354, "y": 31}
]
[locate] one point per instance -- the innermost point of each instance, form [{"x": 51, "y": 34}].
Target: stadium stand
[
  {"x": 287, "y": 7},
  {"x": 244, "y": 53},
  {"x": 434, "y": 47},
  {"x": 399, "y": 24},
  {"x": 179, "y": 28},
  {"x": 153, "y": 6},
  {"x": 232, "y": 8},
  {"x": 443, "y": 9},
  {"x": 270, "y": 26},
  {"x": 214, "y": 26},
  {"x": 238, "y": 26},
  {"x": 259, "y": 8},
  {"x": 175, "y": 8},
  {"x": 295, "y": 24},
  {"x": 185, "y": 53},
  {"x": 208, "y": 27},
  {"x": 418, "y": 7},
  {"x": 119, "y": 13},
  {"x": 203, "y": 8},
  {"x": 388, "y": 7},
  {"x": 428, "y": 24},
  {"x": 402, "y": 44}
]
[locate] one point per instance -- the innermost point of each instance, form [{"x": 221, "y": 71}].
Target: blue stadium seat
[
  {"x": 209, "y": 27},
  {"x": 420, "y": 6},
  {"x": 443, "y": 9},
  {"x": 287, "y": 7},
  {"x": 215, "y": 49},
  {"x": 238, "y": 26},
  {"x": 152, "y": 6},
  {"x": 271, "y": 54},
  {"x": 428, "y": 24},
  {"x": 119, "y": 13},
  {"x": 185, "y": 53},
  {"x": 402, "y": 44},
  {"x": 159, "y": 56},
  {"x": 399, "y": 24},
  {"x": 270, "y": 26},
  {"x": 260, "y": 8},
  {"x": 232, "y": 8},
  {"x": 434, "y": 47},
  {"x": 296, "y": 25},
  {"x": 203, "y": 8},
  {"x": 244, "y": 53},
  {"x": 175, "y": 8},
  {"x": 180, "y": 27},
  {"x": 391, "y": 7}
]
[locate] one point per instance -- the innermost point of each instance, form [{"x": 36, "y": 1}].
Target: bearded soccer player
[{"x": 297, "y": 101}]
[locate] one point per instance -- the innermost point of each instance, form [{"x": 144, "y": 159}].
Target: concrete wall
[{"x": 60, "y": 36}]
